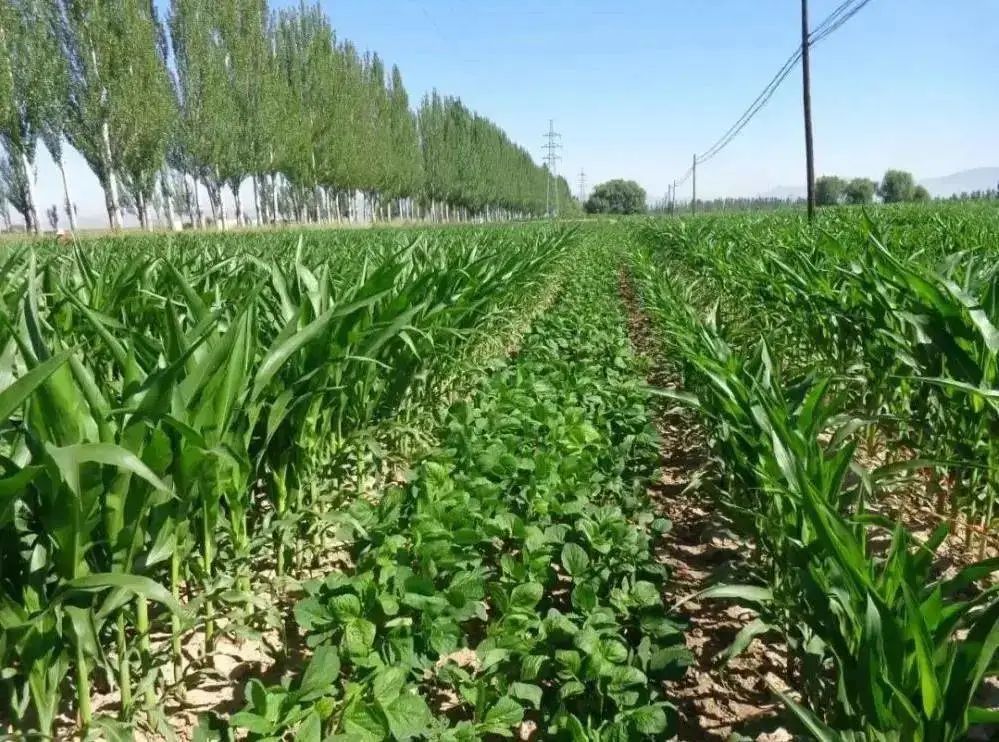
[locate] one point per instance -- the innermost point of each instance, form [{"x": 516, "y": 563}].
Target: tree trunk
[
  {"x": 168, "y": 200},
  {"x": 274, "y": 199},
  {"x": 65, "y": 191},
  {"x": 111, "y": 195},
  {"x": 212, "y": 204},
  {"x": 188, "y": 201},
  {"x": 109, "y": 205},
  {"x": 140, "y": 211},
  {"x": 239, "y": 206},
  {"x": 220, "y": 221},
  {"x": 198, "y": 217},
  {"x": 30, "y": 200},
  {"x": 257, "y": 221},
  {"x": 220, "y": 202}
]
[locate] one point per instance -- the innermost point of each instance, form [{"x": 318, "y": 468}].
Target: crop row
[
  {"x": 792, "y": 354},
  {"x": 509, "y": 583},
  {"x": 177, "y": 420},
  {"x": 901, "y": 315}
]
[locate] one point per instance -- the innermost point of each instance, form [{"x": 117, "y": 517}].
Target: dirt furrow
[{"x": 714, "y": 701}]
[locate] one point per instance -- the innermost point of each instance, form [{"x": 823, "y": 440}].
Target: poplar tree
[
  {"x": 206, "y": 106},
  {"x": 306, "y": 57},
  {"x": 6, "y": 70},
  {"x": 250, "y": 72},
  {"x": 142, "y": 105},
  {"x": 53, "y": 134},
  {"x": 407, "y": 160},
  {"x": 34, "y": 71},
  {"x": 242, "y": 93},
  {"x": 91, "y": 33}
]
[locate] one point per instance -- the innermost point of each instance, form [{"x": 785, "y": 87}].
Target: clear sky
[{"x": 637, "y": 86}]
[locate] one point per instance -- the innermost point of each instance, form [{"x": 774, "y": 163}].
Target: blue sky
[{"x": 637, "y": 86}]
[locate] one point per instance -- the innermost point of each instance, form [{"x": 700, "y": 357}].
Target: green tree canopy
[
  {"x": 616, "y": 197},
  {"x": 231, "y": 90},
  {"x": 33, "y": 91},
  {"x": 860, "y": 191},
  {"x": 829, "y": 190},
  {"x": 897, "y": 186}
]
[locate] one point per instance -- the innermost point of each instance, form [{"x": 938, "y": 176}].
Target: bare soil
[{"x": 714, "y": 702}]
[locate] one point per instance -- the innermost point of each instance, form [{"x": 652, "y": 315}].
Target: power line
[
  {"x": 815, "y": 37},
  {"x": 835, "y": 20},
  {"x": 552, "y": 146},
  {"x": 832, "y": 22}
]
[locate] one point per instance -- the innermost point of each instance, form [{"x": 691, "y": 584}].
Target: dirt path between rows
[{"x": 714, "y": 702}]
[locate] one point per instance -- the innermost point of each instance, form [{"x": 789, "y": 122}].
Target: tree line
[
  {"x": 729, "y": 203},
  {"x": 224, "y": 92},
  {"x": 896, "y": 186},
  {"x": 987, "y": 194}
]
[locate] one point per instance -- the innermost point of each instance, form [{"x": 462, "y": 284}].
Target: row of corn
[
  {"x": 182, "y": 418},
  {"x": 798, "y": 349}
]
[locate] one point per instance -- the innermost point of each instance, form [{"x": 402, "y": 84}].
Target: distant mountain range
[
  {"x": 976, "y": 179},
  {"x": 979, "y": 179}
]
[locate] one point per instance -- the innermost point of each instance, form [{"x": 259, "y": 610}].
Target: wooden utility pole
[
  {"x": 806, "y": 82},
  {"x": 693, "y": 197}
]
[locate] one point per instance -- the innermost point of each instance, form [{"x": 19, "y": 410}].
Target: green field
[{"x": 409, "y": 484}]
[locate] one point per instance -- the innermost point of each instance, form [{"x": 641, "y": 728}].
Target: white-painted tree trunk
[
  {"x": 70, "y": 213},
  {"x": 140, "y": 211},
  {"x": 31, "y": 200},
  {"x": 322, "y": 198},
  {"x": 113, "y": 201},
  {"x": 198, "y": 219},
  {"x": 274, "y": 199},
  {"x": 257, "y": 221},
  {"x": 239, "y": 206},
  {"x": 220, "y": 221},
  {"x": 212, "y": 204},
  {"x": 167, "y": 192}
]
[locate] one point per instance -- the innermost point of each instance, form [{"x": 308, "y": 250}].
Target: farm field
[{"x": 726, "y": 477}]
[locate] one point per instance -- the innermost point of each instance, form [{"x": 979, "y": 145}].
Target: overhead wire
[{"x": 835, "y": 20}]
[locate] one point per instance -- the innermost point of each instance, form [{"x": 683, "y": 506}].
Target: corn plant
[
  {"x": 883, "y": 648},
  {"x": 172, "y": 413}
]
